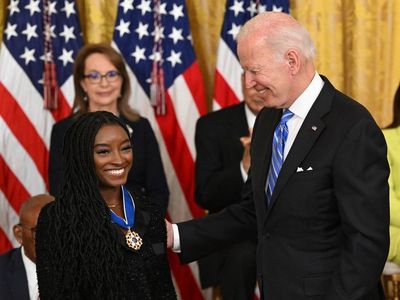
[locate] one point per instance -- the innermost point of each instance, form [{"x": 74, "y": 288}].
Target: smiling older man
[{"x": 317, "y": 192}]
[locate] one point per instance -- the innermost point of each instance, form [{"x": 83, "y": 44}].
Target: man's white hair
[{"x": 281, "y": 32}]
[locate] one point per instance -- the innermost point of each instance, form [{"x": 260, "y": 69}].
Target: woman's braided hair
[{"x": 87, "y": 254}]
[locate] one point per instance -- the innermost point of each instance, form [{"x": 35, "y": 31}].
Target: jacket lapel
[
  {"x": 308, "y": 134},
  {"x": 18, "y": 280}
]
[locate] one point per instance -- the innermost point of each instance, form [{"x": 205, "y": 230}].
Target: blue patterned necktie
[{"x": 278, "y": 148}]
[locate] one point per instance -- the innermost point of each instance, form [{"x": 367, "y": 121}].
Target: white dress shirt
[
  {"x": 300, "y": 108},
  {"x": 30, "y": 268}
]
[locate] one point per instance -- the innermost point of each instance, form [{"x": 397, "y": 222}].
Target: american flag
[
  {"x": 25, "y": 125},
  {"x": 227, "y": 83},
  {"x": 155, "y": 35}
]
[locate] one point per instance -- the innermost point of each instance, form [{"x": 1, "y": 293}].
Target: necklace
[
  {"x": 113, "y": 205},
  {"x": 133, "y": 240}
]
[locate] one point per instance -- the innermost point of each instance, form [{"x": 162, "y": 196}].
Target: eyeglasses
[
  {"x": 95, "y": 77},
  {"x": 31, "y": 229}
]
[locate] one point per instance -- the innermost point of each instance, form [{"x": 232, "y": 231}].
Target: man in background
[
  {"x": 17, "y": 267},
  {"x": 223, "y": 159}
]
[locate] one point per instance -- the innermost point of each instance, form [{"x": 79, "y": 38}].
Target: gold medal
[{"x": 133, "y": 240}]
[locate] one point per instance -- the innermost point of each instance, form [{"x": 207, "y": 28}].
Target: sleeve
[
  {"x": 217, "y": 185},
  {"x": 393, "y": 195},
  {"x": 155, "y": 180},
  {"x": 394, "y": 250},
  {"x": 394, "y": 200},
  {"x": 200, "y": 237},
  {"x": 360, "y": 180},
  {"x": 55, "y": 160}
]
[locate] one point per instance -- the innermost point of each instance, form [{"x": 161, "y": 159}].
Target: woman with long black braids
[
  {"x": 101, "y": 82},
  {"x": 97, "y": 241}
]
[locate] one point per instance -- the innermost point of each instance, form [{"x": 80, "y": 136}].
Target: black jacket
[
  {"x": 13, "y": 280},
  {"x": 325, "y": 234}
]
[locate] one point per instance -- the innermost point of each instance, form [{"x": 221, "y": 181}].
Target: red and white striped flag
[
  {"x": 25, "y": 123},
  {"x": 227, "y": 83},
  {"x": 154, "y": 38}
]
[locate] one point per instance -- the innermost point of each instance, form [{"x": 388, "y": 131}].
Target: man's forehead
[
  {"x": 250, "y": 67},
  {"x": 31, "y": 213}
]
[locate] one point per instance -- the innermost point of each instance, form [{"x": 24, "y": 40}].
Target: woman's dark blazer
[{"x": 147, "y": 170}]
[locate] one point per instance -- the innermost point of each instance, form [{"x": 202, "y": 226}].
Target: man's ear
[
  {"x": 17, "y": 229},
  {"x": 293, "y": 61}
]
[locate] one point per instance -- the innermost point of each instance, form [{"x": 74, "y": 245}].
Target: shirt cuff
[
  {"x": 244, "y": 173},
  {"x": 176, "y": 246}
]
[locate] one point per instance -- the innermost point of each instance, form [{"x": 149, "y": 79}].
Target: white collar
[
  {"x": 30, "y": 268},
  {"x": 302, "y": 105},
  {"x": 250, "y": 116}
]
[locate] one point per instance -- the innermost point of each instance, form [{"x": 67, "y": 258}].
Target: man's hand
[
  {"x": 246, "y": 141},
  {"x": 170, "y": 234}
]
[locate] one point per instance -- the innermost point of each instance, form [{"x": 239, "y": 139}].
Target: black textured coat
[{"x": 145, "y": 271}]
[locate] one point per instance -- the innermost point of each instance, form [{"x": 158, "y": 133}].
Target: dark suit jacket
[
  {"x": 219, "y": 151},
  {"x": 325, "y": 234},
  {"x": 147, "y": 170},
  {"x": 13, "y": 280},
  {"x": 219, "y": 180}
]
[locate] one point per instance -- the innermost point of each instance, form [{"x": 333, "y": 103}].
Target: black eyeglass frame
[
  {"x": 96, "y": 77},
  {"x": 31, "y": 229}
]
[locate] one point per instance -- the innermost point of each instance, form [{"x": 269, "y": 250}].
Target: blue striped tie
[{"x": 278, "y": 148}]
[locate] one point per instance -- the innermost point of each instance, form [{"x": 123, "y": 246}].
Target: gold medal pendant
[{"x": 133, "y": 240}]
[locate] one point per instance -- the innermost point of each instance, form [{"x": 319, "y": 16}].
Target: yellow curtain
[
  {"x": 3, "y": 6},
  {"x": 358, "y": 42}
]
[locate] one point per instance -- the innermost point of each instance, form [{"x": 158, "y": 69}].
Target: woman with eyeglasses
[{"x": 101, "y": 83}]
